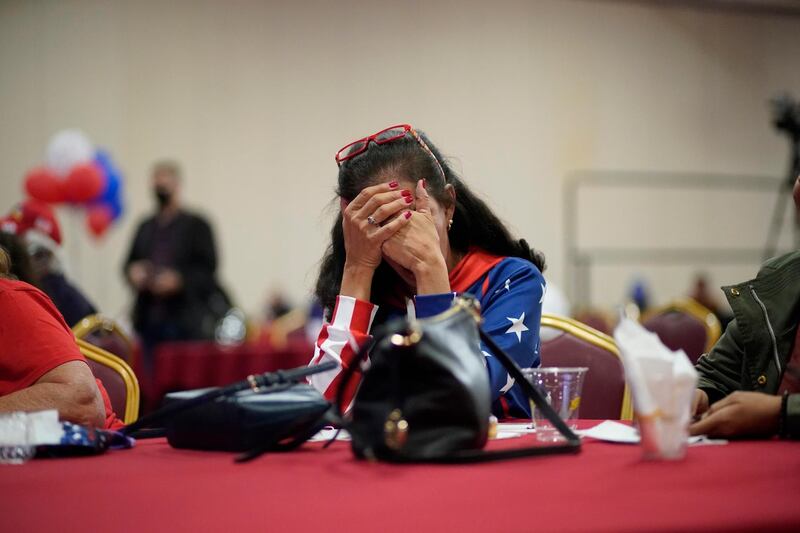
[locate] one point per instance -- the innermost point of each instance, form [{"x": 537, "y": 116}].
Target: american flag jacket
[{"x": 510, "y": 291}]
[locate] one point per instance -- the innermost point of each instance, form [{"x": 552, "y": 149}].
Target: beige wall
[{"x": 255, "y": 97}]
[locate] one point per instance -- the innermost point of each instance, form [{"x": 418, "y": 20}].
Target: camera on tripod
[
  {"x": 786, "y": 119},
  {"x": 786, "y": 115}
]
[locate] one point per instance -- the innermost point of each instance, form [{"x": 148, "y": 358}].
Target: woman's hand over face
[
  {"x": 363, "y": 239},
  {"x": 416, "y": 248}
]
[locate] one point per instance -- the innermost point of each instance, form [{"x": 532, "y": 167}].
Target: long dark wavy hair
[{"x": 474, "y": 224}]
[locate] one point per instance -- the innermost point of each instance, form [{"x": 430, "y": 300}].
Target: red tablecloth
[
  {"x": 192, "y": 365},
  {"x": 741, "y": 486}
]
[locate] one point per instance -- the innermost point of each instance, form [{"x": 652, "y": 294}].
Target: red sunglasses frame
[
  {"x": 342, "y": 155},
  {"x": 407, "y": 128}
]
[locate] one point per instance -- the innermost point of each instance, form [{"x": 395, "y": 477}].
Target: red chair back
[
  {"x": 114, "y": 385},
  {"x": 595, "y": 319},
  {"x": 118, "y": 379},
  {"x": 605, "y": 393},
  {"x": 685, "y": 325},
  {"x": 104, "y": 333},
  {"x": 111, "y": 343}
]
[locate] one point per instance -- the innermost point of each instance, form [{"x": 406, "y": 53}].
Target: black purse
[
  {"x": 267, "y": 412},
  {"x": 248, "y": 421},
  {"x": 425, "y": 395}
]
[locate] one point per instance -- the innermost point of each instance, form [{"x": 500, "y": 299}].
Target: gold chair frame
[
  {"x": 92, "y": 323},
  {"x": 595, "y": 338},
  {"x": 119, "y": 366},
  {"x": 696, "y": 310}
]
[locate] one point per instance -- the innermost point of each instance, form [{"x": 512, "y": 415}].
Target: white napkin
[
  {"x": 611, "y": 431},
  {"x": 663, "y": 384}
]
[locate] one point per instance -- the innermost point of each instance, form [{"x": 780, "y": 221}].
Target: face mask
[{"x": 162, "y": 196}]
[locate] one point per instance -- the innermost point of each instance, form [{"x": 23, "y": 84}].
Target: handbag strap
[{"x": 529, "y": 390}]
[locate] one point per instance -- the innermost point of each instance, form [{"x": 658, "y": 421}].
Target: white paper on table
[
  {"x": 327, "y": 433},
  {"x": 610, "y": 431},
  {"x": 514, "y": 427},
  {"x": 504, "y": 431}
]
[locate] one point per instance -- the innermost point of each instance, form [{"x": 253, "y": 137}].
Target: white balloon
[
  {"x": 66, "y": 149},
  {"x": 555, "y": 302}
]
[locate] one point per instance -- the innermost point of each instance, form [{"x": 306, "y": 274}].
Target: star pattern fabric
[
  {"x": 509, "y": 383},
  {"x": 517, "y": 326},
  {"x": 506, "y": 287},
  {"x": 509, "y": 290}
]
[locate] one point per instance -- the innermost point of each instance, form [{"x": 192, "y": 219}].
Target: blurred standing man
[{"x": 171, "y": 266}]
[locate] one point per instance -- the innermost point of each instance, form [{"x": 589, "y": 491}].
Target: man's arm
[
  {"x": 720, "y": 370},
  {"x": 136, "y": 268},
  {"x": 69, "y": 387}
]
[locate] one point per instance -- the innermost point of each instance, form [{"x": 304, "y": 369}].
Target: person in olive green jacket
[{"x": 738, "y": 390}]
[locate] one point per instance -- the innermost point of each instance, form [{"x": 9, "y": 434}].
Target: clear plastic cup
[
  {"x": 561, "y": 387},
  {"x": 16, "y": 440}
]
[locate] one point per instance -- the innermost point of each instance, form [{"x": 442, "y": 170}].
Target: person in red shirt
[{"x": 41, "y": 366}]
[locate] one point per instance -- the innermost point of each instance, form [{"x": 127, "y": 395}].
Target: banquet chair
[
  {"x": 105, "y": 333},
  {"x": 118, "y": 379},
  {"x": 686, "y": 325},
  {"x": 597, "y": 319},
  {"x": 605, "y": 393}
]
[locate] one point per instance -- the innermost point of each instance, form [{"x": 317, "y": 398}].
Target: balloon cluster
[{"x": 76, "y": 173}]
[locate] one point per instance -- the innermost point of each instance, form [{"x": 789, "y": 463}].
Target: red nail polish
[
  {"x": 424, "y": 183},
  {"x": 408, "y": 214},
  {"x": 393, "y": 184},
  {"x": 408, "y": 199},
  {"x": 406, "y": 192}
]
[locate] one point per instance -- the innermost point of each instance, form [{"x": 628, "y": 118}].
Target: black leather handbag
[
  {"x": 248, "y": 421},
  {"x": 425, "y": 396},
  {"x": 267, "y": 412}
]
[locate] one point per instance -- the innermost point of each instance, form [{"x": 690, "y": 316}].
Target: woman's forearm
[
  {"x": 432, "y": 278},
  {"x": 357, "y": 282}
]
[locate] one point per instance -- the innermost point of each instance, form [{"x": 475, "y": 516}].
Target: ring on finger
[{"x": 371, "y": 220}]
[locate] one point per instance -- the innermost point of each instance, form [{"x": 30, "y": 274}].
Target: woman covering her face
[{"x": 409, "y": 236}]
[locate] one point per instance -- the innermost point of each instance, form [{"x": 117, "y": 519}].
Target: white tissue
[
  {"x": 663, "y": 384},
  {"x": 33, "y": 429},
  {"x": 46, "y": 428}
]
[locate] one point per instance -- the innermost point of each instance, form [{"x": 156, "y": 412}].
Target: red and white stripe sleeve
[{"x": 349, "y": 327}]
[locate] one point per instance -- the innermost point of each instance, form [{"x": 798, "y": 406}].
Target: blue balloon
[
  {"x": 115, "y": 205},
  {"x": 112, "y": 190}
]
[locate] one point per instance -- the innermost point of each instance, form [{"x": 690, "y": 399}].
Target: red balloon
[
  {"x": 41, "y": 184},
  {"x": 84, "y": 182},
  {"x": 98, "y": 219}
]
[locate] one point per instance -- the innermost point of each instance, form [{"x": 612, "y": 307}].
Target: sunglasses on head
[{"x": 387, "y": 135}]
